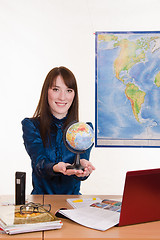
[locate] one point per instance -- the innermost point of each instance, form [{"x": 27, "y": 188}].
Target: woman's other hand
[{"x": 88, "y": 168}]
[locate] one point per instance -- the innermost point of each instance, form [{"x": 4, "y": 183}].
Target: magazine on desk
[
  {"x": 100, "y": 215},
  {"x": 13, "y": 222}
]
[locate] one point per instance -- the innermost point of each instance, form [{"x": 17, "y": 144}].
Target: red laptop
[{"x": 141, "y": 197}]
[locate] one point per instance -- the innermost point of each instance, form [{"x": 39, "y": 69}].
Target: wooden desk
[
  {"x": 71, "y": 230},
  {"x": 25, "y": 236}
]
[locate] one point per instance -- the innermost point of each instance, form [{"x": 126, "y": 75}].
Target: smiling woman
[{"x": 43, "y": 137}]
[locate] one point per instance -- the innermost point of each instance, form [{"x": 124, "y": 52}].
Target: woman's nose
[{"x": 62, "y": 95}]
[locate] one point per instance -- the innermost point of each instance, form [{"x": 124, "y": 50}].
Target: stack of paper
[{"x": 13, "y": 222}]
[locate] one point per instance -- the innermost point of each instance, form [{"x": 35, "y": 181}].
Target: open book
[
  {"x": 100, "y": 216},
  {"x": 13, "y": 222}
]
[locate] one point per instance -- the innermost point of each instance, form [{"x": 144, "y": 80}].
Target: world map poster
[{"x": 127, "y": 89}]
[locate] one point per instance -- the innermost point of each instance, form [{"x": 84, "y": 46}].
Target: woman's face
[{"x": 60, "y": 98}]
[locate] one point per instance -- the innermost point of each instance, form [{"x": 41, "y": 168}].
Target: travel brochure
[{"x": 108, "y": 205}]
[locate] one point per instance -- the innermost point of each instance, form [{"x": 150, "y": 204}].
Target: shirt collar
[{"x": 58, "y": 122}]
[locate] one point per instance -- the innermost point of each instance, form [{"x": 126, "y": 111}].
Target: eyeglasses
[{"x": 31, "y": 207}]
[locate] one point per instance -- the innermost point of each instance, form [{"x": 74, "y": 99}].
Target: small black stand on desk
[{"x": 20, "y": 185}]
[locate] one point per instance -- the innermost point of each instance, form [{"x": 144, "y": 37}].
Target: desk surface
[{"x": 71, "y": 230}]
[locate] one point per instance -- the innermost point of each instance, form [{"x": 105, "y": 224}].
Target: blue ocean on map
[{"x": 115, "y": 115}]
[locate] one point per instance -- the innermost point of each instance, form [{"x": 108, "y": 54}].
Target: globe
[{"x": 80, "y": 136}]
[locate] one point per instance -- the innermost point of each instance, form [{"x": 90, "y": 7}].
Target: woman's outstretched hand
[{"x": 88, "y": 168}]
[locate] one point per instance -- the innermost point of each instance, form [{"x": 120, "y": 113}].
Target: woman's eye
[
  {"x": 70, "y": 90},
  {"x": 55, "y": 89}
]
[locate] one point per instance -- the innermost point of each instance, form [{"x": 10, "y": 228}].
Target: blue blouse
[{"x": 44, "y": 179}]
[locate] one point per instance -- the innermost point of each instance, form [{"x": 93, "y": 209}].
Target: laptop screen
[{"x": 141, "y": 197}]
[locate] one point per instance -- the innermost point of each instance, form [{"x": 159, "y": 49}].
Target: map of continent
[{"x": 128, "y": 89}]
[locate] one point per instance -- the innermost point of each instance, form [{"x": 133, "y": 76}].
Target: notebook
[{"x": 141, "y": 197}]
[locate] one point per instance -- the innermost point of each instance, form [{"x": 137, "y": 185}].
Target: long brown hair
[{"x": 43, "y": 112}]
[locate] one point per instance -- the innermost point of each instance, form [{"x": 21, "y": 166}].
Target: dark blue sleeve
[{"x": 42, "y": 165}]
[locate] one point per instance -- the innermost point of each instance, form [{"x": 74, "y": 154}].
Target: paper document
[{"x": 92, "y": 217}]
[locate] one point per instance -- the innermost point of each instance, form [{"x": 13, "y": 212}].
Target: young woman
[{"x": 43, "y": 137}]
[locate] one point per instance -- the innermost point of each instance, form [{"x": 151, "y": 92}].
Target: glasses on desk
[{"x": 31, "y": 207}]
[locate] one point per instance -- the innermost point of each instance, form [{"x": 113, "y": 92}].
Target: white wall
[{"x": 37, "y": 35}]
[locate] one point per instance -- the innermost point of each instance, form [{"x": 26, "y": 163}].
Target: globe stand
[{"x": 76, "y": 165}]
